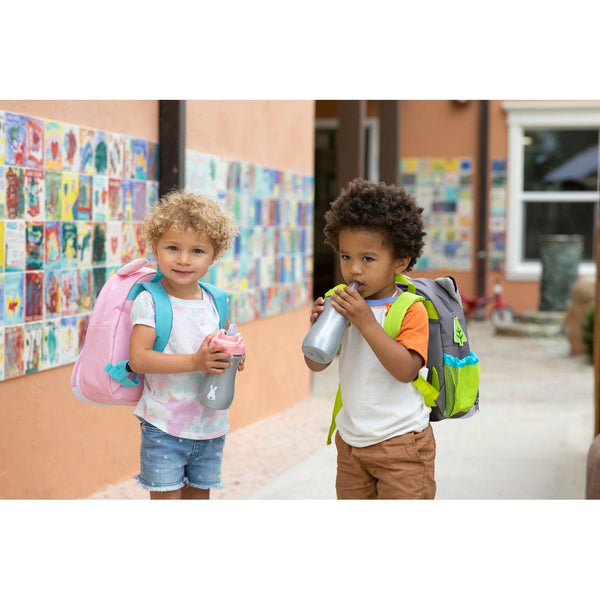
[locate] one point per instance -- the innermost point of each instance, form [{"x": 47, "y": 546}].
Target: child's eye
[
  {"x": 344, "y": 257},
  {"x": 198, "y": 251},
  {"x": 368, "y": 259},
  {"x": 172, "y": 248}
]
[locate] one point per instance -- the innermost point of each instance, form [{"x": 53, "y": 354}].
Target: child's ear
[{"x": 401, "y": 265}]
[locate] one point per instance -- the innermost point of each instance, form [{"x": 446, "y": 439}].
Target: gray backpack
[{"x": 452, "y": 385}]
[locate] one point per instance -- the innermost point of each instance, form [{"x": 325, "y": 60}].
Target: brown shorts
[{"x": 400, "y": 468}]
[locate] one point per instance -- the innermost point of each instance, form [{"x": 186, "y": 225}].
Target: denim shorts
[{"x": 168, "y": 463}]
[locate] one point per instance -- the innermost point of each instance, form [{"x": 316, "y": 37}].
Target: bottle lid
[{"x": 233, "y": 343}]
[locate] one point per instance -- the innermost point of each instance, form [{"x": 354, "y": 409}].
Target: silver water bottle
[
  {"x": 323, "y": 339},
  {"x": 216, "y": 391}
]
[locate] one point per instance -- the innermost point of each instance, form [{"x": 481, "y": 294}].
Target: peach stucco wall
[{"x": 51, "y": 445}]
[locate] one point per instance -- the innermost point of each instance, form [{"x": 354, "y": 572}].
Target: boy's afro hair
[{"x": 387, "y": 209}]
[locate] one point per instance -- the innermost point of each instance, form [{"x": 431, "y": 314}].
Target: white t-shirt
[
  {"x": 170, "y": 401},
  {"x": 375, "y": 405}
]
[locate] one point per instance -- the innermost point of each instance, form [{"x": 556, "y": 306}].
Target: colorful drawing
[
  {"x": 69, "y": 244},
  {"x": 69, "y": 287},
  {"x": 50, "y": 350},
  {"x": 14, "y": 349},
  {"x": 153, "y": 162},
  {"x": 99, "y": 279},
  {"x": 86, "y": 151},
  {"x": 100, "y": 153},
  {"x": 139, "y": 200},
  {"x": 68, "y": 339},
  {"x": 34, "y": 340},
  {"x": 151, "y": 194},
  {"x": 140, "y": 159},
  {"x": 99, "y": 244},
  {"x": 69, "y": 192},
  {"x": 34, "y": 296},
  {"x": 70, "y": 158},
  {"x": 52, "y": 293},
  {"x": 99, "y": 197},
  {"x": 15, "y": 193},
  {"x": 2, "y": 191},
  {"x": 2, "y": 144},
  {"x": 14, "y": 298},
  {"x": 113, "y": 243},
  {"x": 1, "y": 258},
  {"x": 85, "y": 283},
  {"x": 53, "y": 145},
  {"x": 34, "y": 194},
  {"x": 128, "y": 160},
  {"x": 115, "y": 200},
  {"x": 84, "y": 244},
  {"x": 53, "y": 184},
  {"x": 34, "y": 143},
  {"x": 34, "y": 237},
  {"x": 127, "y": 194},
  {"x": 14, "y": 244},
  {"x": 15, "y": 127},
  {"x": 129, "y": 246},
  {"x": 82, "y": 209},
  {"x": 115, "y": 156}
]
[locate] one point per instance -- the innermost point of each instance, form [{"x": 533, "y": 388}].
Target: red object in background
[{"x": 500, "y": 312}]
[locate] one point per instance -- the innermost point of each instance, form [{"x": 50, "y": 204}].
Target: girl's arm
[
  {"x": 401, "y": 363},
  {"x": 144, "y": 359}
]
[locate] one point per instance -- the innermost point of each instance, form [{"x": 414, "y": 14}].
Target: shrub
[{"x": 587, "y": 331}]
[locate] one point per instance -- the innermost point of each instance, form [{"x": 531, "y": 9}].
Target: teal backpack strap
[
  {"x": 220, "y": 299},
  {"x": 392, "y": 324},
  {"x": 163, "y": 313}
]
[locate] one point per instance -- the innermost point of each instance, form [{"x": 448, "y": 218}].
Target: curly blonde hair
[{"x": 183, "y": 210}]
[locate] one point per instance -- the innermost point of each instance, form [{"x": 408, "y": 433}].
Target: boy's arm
[
  {"x": 144, "y": 359},
  {"x": 401, "y": 363}
]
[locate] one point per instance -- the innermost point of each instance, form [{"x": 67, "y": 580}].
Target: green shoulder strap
[{"x": 391, "y": 326}]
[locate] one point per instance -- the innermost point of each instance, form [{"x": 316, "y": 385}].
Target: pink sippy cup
[{"x": 217, "y": 391}]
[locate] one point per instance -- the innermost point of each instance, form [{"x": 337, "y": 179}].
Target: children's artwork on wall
[
  {"x": 53, "y": 145},
  {"x": 34, "y": 193},
  {"x": 63, "y": 232},
  {"x": 34, "y": 143},
  {"x": 70, "y": 148},
  {"x": 263, "y": 275},
  {"x": 2, "y": 138},
  {"x": 443, "y": 186},
  {"x": 497, "y": 224},
  {"x": 15, "y": 139},
  {"x": 86, "y": 151}
]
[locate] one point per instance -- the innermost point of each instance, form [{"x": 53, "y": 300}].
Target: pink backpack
[{"x": 101, "y": 373}]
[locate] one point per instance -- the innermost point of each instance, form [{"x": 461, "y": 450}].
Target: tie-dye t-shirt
[{"x": 170, "y": 401}]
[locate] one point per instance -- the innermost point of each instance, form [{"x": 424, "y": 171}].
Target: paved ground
[{"x": 529, "y": 441}]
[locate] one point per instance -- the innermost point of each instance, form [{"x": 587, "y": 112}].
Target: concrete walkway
[{"x": 529, "y": 441}]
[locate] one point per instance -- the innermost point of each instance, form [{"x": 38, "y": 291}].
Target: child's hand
[
  {"x": 317, "y": 308},
  {"x": 353, "y": 306},
  {"x": 211, "y": 359},
  {"x": 242, "y": 364}
]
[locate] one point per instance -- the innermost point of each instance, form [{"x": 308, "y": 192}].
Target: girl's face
[
  {"x": 364, "y": 259},
  {"x": 183, "y": 257}
]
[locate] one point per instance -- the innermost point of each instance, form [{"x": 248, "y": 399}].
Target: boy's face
[
  {"x": 364, "y": 259},
  {"x": 183, "y": 257}
]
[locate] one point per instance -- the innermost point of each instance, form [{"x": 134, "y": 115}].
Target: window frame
[{"x": 541, "y": 115}]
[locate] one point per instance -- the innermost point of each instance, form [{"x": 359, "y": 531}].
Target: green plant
[{"x": 587, "y": 330}]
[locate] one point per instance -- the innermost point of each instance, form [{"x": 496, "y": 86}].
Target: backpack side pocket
[{"x": 461, "y": 376}]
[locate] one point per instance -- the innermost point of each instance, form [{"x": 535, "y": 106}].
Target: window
[{"x": 552, "y": 180}]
